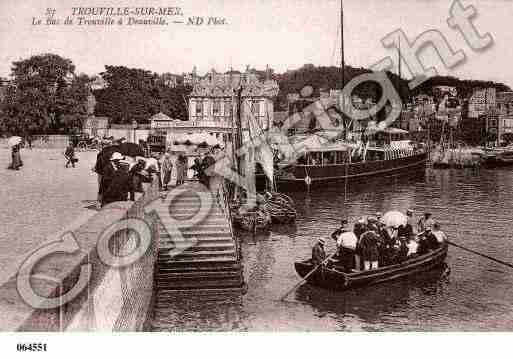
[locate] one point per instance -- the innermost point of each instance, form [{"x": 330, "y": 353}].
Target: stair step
[
  {"x": 196, "y": 246},
  {"x": 189, "y": 211},
  {"x": 201, "y": 267},
  {"x": 193, "y": 255},
  {"x": 198, "y": 226},
  {"x": 198, "y": 274},
  {"x": 195, "y": 261},
  {"x": 197, "y": 234},
  {"x": 193, "y": 284},
  {"x": 167, "y": 242},
  {"x": 164, "y": 294}
]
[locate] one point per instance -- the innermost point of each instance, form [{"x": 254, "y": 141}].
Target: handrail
[{"x": 228, "y": 213}]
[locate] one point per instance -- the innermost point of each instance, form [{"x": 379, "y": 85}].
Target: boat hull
[
  {"x": 335, "y": 279},
  {"x": 353, "y": 172},
  {"x": 495, "y": 162}
]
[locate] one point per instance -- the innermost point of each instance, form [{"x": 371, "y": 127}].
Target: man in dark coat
[
  {"x": 115, "y": 181},
  {"x": 369, "y": 247},
  {"x": 70, "y": 155},
  {"x": 199, "y": 172}
]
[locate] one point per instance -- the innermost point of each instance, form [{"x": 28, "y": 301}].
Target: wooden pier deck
[{"x": 205, "y": 258}]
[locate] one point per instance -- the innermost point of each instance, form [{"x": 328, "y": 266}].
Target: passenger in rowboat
[
  {"x": 318, "y": 252},
  {"x": 358, "y": 229},
  {"x": 369, "y": 247},
  {"x": 440, "y": 236},
  {"x": 427, "y": 242},
  {"x": 412, "y": 246},
  {"x": 411, "y": 221},
  {"x": 346, "y": 244},
  {"x": 339, "y": 230},
  {"x": 425, "y": 222},
  {"x": 379, "y": 217}
]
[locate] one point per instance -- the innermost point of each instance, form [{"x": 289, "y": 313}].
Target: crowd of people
[
  {"x": 371, "y": 244},
  {"x": 120, "y": 177}
]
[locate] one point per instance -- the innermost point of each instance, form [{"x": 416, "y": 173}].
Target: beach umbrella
[
  {"x": 212, "y": 140},
  {"x": 131, "y": 149},
  {"x": 394, "y": 219},
  {"x": 14, "y": 140}
]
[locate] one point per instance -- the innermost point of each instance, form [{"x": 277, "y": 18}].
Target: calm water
[{"x": 475, "y": 210}]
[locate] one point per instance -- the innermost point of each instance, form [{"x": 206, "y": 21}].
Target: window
[
  {"x": 314, "y": 158},
  {"x": 227, "y": 108},
  {"x": 328, "y": 158},
  {"x": 217, "y": 108},
  {"x": 341, "y": 157},
  {"x": 199, "y": 108}
]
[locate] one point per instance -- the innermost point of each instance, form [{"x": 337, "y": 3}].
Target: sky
[{"x": 285, "y": 34}]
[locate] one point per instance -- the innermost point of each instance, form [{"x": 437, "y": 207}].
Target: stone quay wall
[{"x": 116, "y": 297}]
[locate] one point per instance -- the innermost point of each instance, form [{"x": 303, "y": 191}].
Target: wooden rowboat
[{"x": 334, "y": 277}]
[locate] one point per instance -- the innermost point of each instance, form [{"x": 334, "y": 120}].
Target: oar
[
  {"x": 480, "y": 254},
  {"x": 306, "y": 277}
]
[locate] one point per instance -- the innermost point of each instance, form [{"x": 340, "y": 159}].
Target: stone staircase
[{"x": 204, "y": 258}]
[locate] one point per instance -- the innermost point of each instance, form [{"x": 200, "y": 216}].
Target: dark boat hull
[
  {"x": 352, "y": 172},
  {"x": 333, "y": 278},
  {"x": 497, "y": 162}
]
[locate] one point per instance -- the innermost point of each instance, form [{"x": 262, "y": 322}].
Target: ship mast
[
  {"x": 342, "y": 61},
  {"x": 342, "y": 71}
]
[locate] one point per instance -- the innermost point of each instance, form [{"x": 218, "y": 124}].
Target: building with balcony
[{"x": 213, "y": 101}]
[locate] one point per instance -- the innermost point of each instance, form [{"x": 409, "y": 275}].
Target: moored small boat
[
  {"x": 498, "y": 157},
  {"x": 334, "y": 277}
]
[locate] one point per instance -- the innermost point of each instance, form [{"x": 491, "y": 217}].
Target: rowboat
[
  {"x": 498, "y": 157},
  {"x": 334, "y": 277}
]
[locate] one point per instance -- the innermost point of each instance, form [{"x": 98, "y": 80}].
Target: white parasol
[
  {"x": 212, "y": 140},
  {"x": 14, "y": 140},
  {"x": 394, "y": 219}
]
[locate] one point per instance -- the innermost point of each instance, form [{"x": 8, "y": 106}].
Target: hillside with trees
[{"x": 321, "y": 77}]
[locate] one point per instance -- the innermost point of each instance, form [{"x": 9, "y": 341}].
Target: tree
[
  {"x": 46, "y": 96},
  {"x": 137, "y": 94}
]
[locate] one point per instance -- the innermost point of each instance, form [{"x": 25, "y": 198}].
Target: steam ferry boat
[{"x": 388, "y": 153}]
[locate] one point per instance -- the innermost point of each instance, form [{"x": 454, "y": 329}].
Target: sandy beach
[{"x": 41, "y": 199}]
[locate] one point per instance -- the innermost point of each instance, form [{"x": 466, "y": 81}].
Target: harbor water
[{"x": 475, "y": 209}]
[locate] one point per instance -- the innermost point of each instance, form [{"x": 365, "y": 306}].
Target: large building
[
  {"x": 211, "y": 102},
  {"x": 211, "y": 106}
]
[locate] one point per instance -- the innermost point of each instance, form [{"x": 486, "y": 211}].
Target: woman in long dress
[
  {"x": 16, "y": 158},
  {"x": 180, "y": 169},
  {"x": 166, "y": 170}
]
